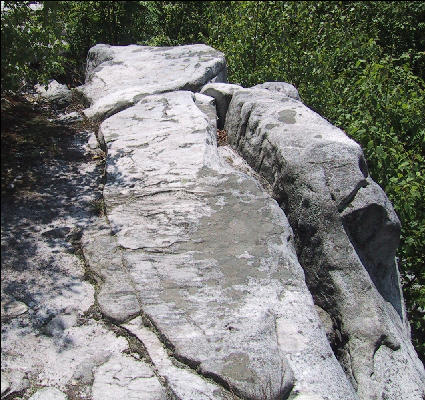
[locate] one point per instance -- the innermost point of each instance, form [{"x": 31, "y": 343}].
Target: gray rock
[
  {"x": 5, "y": 385},
  {"x": 11, "y": 308},
  {"x": 183, "y": 382},
  {"x": 60, "y": 323},
  {"x": 56, "y": 93},
  {"x": 49, "y": 393},
  {"x": 116, "y": 297},
  {"x": 346, "y": 235},
  {"x": 119, "y": 76},
  {"x": 222, "y": 93},
  {"x": 92, "y": 142},
  {"x": 70, "y": 118},
  {"x": 50, "y": 307},
  {"x": 203, "y": 245},
  {"x": 123, "y": 377},
  {"x": 280, "y": 87}
]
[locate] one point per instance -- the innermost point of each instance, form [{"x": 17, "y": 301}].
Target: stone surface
[
  {"x": 280, "y": 87},
  {"x": 119, "y": 76},
  {"x": 183, "y": 382},
  {"x": 116, "y": 297},
  {"x": 346, "y": 235},
  {"x": 48, "y": 334},
  {"x": 203, "y": 246},
  {"x": 123, "y": 377},
  {"x": 150, "y": 264},
  {"x": 49, "y": 393},
  {"x": 222, "y": 93},
  {"x": 5, "y": 385},
  {"x": 55, "y": 93},
  {"x": 70, "y": 117},
  {"x": 10, "y": 308}
]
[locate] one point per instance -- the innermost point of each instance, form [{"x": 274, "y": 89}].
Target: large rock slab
[
  {"x": 346, "y": 234},
  {"x": 211, "y": 258},
  {"x": 119, "y": 76}
]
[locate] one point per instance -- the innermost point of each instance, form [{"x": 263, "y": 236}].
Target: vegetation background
[{"x": 359, "y": 64}]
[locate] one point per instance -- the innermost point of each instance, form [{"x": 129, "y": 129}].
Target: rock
[
  {"x": 70, "y": 118},
  {"x": 5, "y": 385},
  {"x": 55, "y": 93},
  {"x": 11, "y": 308},
  {"x": 119, "y": 76},
  {"x": 122, "y": 377},
  {"x": 346, "y": 234},
  {"x": 92, "y": 142},
  {"x": 222, "y": 93},
  {"x": 183, "y": 382},
  {"x": 49, "y": 393},
  {"x": 172, "y": 272},
  {"x": 45, "y": 288},
  {"x": 116, "y": 297},
  {"x": 60, "y": 323},
  {"x": 280, "y": 87},
  {"x": 203, "y": 245}
]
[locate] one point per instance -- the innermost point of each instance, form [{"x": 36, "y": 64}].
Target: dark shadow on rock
[{"x": 375, "y": 239}]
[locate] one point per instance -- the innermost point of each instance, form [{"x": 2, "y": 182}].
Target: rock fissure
[{"x": 344, "y": 203}]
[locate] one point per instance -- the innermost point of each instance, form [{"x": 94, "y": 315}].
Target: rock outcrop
[
  {"x": 346, "y": 234},
  {"x": 119, "y": 76},
  {"x": 206, "y": 278}
]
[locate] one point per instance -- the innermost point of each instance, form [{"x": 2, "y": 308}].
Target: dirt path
[{"x": 51, "y": 191}]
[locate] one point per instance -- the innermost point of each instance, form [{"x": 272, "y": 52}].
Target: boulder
[
  {"x": 55, "y": 93},
  {"x": 280, "y": 87},
  {"x": 346, "y": 235},
  {"x": 211, "y": 259},
  {"x": 119, "y": 76}
]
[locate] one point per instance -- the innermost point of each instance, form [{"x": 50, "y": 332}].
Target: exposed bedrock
[
  {"x": 204, "y": 278},
  {"x": 210, "y": 258},
  {"x": 119, "y": 76},
  {"x": 346, "y": 235}
]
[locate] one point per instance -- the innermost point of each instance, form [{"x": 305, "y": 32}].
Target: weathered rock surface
[
  {"x": 168, "y": 271},
  {"x": 222, "y": 93},
  {"x": 119, "y": 76},
  {"x": 204, "y": 246},
  {"x": 49, "y": 393},
  {"x": 346, "y": 234},
  {"x": 53, "y": 339},
  {"x": 55, "y": 93},
  {"x": 281, "y": 87}
]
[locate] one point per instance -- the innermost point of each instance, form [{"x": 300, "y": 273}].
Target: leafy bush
[{"x": 31, "y": 44}]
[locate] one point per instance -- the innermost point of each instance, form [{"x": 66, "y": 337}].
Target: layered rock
[
  {"x": 119, "y": 76},
  {"x": 210, "y": 258},
  {"x": 346, "y": 234},
  {"x": 194, "y": 284}
]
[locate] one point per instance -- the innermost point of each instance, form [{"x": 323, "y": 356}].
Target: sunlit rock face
[
  {"x": 157, "y": 265},
  {"x": 119, "y": 76},
  {"x": 346, "y": 234}
]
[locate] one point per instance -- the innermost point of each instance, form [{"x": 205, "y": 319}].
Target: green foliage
[
  {"x": 359, "y": 64},
  {"x": 31, "y": 44}
]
